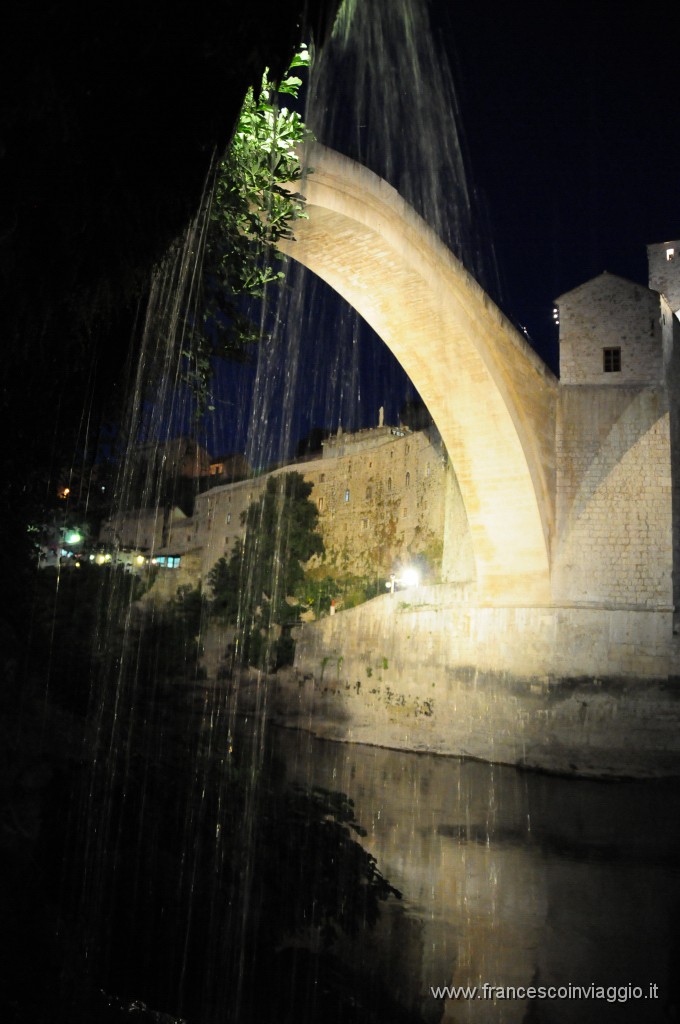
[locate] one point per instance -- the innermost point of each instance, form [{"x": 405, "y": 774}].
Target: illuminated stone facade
[
  {"x": 583, "y": 682},
  {"x": 616, "y": 539},
  {"x": 381, "y": 495},
  {"x": 381, "y": 499}
]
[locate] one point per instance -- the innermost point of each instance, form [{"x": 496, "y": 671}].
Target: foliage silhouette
[
  {"x": 251, "y": 207},
  {"x": 253, "y": 588}
]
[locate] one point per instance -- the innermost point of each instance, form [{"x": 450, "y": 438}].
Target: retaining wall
[{"x": 590, "y": 691}]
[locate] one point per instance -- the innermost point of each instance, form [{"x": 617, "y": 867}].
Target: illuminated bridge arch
[{"x": 491, "y": 397}]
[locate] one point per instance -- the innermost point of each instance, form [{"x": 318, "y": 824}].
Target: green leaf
[{"x": 251, "y": 211}]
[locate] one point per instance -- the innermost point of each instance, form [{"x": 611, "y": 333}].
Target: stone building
[
  {"x": 381, "y": 499},
  {"x": 156, "y": 490},
  {"x": 228, "y": 468},
  {"x": 616, "y": 460},
  {"x": 211, "y": 532},
  {"x": 381, "y": 495}
]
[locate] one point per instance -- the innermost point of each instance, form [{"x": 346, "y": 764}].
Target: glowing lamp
[{"x": 410, "y": 577}]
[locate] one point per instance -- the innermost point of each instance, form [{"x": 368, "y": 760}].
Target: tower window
[
  {"x": 670, "y": 254},
  {"x": 347, "y": 495},
  {"x": 611, "y": 360}
]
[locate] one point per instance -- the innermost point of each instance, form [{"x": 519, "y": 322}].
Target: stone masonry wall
[
  {"x": 614, "y": 511},
  {"x": 664, "y": 270},
  {"x": 431, "y": 630},
  {"x": 671, "y": 330},
  {"x": 380, "y": 504},
  {"x": 141, "y": 529},
  {"x": 217, "y": 519},
  {"x": 610, "y": 312},
  {"x": 381, "y": 501},
  {"x": 565, "y": 689}
]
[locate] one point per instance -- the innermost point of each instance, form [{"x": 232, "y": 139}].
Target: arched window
[
  {"x": 369, "y": 493},
  {"x": 408, "y": 479},
  {"x": 347, "y": 494},
  {"x": 320, "y": 504},
  {"x": 389, "y": 483}
]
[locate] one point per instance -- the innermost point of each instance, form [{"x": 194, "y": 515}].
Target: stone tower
[
  {"x": 664, "y": 271},
  {"x": 664, "y": 277},
  {"x": 615, "y": 531},
  {"x": 610, "y": 334}
]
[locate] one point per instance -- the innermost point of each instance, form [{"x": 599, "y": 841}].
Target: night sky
[
  {"x": 570, "y": 116},
  {"x": 567, "y": 117}
]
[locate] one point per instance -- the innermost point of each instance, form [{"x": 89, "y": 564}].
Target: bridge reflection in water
[{"x": 513, "y": 879}]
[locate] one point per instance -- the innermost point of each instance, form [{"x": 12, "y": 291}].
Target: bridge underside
[{"x": 492, "y": 399}]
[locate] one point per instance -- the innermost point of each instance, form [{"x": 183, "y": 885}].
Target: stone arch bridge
[
  {"x": 491, "y": 397},
  {"x": 569, "y": 489}
]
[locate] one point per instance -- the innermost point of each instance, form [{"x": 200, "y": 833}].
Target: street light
[{"x": 410, "y": 577}]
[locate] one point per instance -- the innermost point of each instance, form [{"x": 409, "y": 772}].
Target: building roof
[{"x": 594, "y": 282}]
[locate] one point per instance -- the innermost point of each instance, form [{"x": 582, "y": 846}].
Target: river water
[{"x": 512, "y": 879}]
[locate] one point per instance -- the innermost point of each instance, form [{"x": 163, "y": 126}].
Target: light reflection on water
[{"x": 513, "y": 879}]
